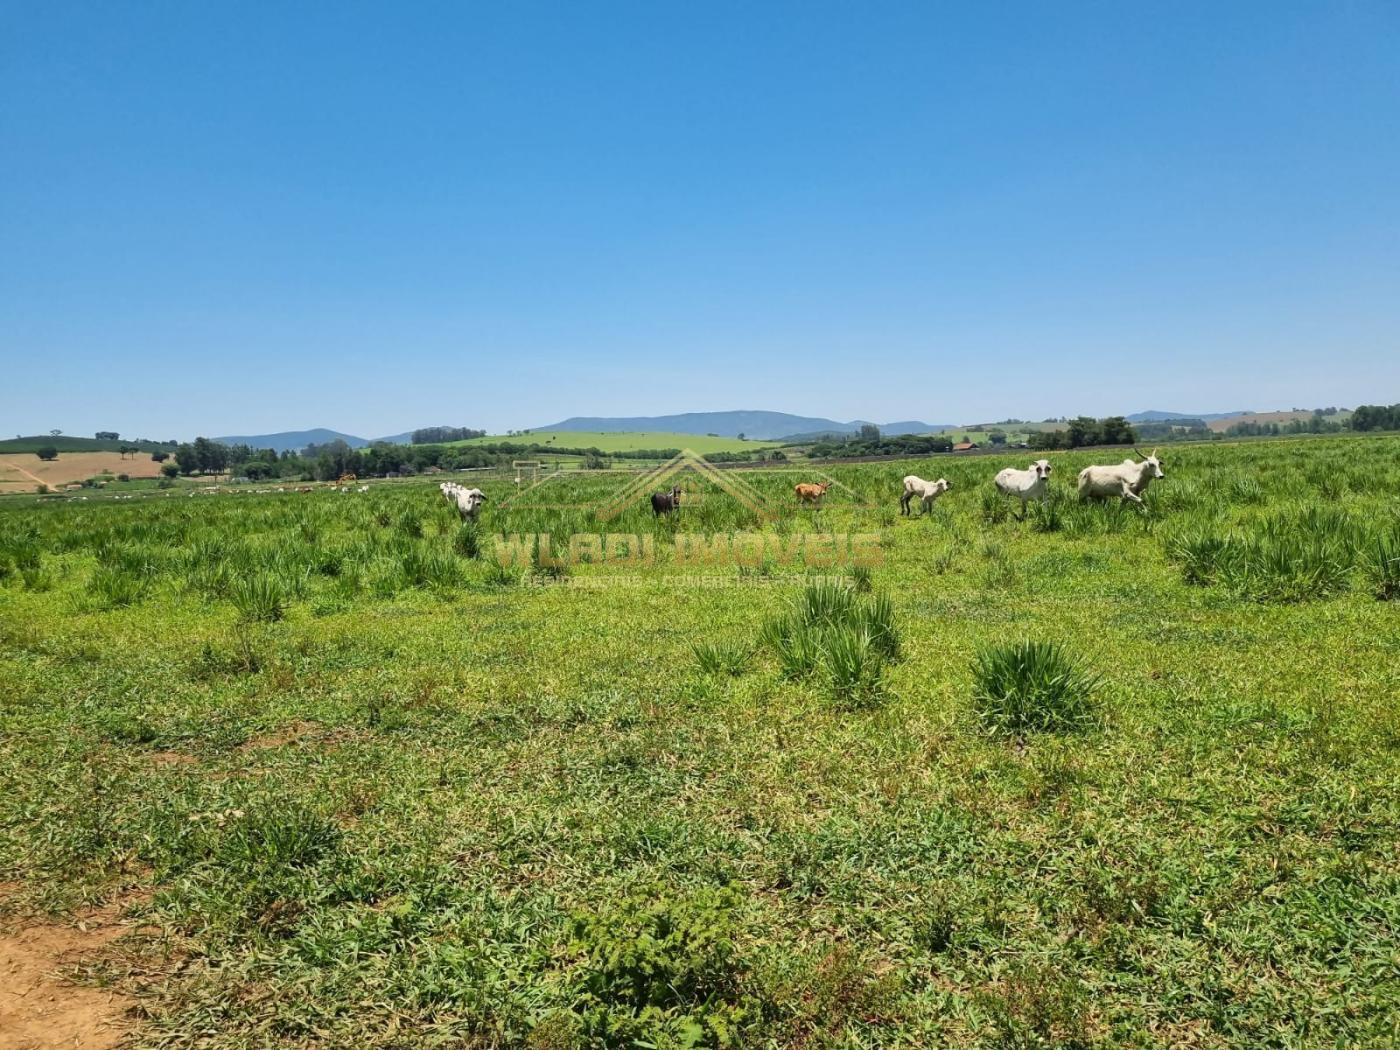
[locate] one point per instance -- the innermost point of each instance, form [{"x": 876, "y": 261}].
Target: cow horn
[{"x": 1141, "y": 453}]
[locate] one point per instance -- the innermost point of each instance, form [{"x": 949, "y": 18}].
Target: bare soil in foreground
[{"x": 39, "y": 1007}]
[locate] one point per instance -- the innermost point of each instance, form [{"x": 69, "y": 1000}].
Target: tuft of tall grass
[
  {"x": 467, "y": 541},
  {"x": 259, "y": 599},
  {"x": 1289, "y": 557},
  {"x": 848, "y": 637},
  {"x": 424, "y": 567},
  {"x": 729, "y": 658},
  {"x": 855, "y": 666},
  {"x": 1048, "y": 515},
  {"x": 114, "y": 588},
  {"x": 1381, "y": 561},
  {"x": 1032, "y": 686},
  {"x": 995, "y": 508}
]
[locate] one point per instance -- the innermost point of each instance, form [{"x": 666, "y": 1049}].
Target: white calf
[
  {"x": 1026, "y": 485},
  {"x": 927, "y": 491}
]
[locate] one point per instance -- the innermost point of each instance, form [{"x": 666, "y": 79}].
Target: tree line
[
  {"x": 1376, "y": 417},
  {"x": 441, "y": 435},
  {"x": 1084, "y": 431}
]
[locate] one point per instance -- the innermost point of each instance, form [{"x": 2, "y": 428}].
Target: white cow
[
  {"x": 1033, "y": 483},
  {"x": 468, "y": 502},
  {"x": 1127, "y": 480},
  {"x": 927, "y": 491}
]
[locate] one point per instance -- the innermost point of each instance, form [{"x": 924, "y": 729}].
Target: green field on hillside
[
  {"x": 1103, "y": 777},
  {"x": 624, "y": 442},
  {"x": 65, "y": 443}
]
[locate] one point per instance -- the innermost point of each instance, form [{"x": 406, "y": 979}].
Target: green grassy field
[
  {"x": 65, "y": 443},
  {"x": 625, "y": 442},
  {"x": 364, "y": 786}
]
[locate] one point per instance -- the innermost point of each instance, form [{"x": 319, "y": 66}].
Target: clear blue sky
[{"x": 247, "y": 217}]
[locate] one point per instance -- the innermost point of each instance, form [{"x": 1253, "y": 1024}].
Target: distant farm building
[{"x": 964, "y": 446}]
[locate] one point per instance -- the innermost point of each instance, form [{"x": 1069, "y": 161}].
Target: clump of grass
[
  {"x": 1381, "y": 559},
  {"x": 467, "y": 541},
  {"x": 861, "y": 579},
  {"x": 729, "y": 658},
  {"x": 37, "y": 580},
  {"x": 995, "y": 508},
  {"x": 1032, "y": 686},
  {"x": 849, "y": 637},
  {"x": 855, "y": 667},
  {"x": 547, "y": 567},
  {"x": 277, "y": 835},
  {"x": 1047, "y": 515},
  {"x": 423, "y": 567},
  {"x": 797, "y": 646},
  {"x": 1286, "y": 558},
  {"x": 1201, "y": 553},
  {"x": 260, "y": 598},
  {"x": 115, "y": 588}
]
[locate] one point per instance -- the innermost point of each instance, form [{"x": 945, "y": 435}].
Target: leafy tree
[
  {"x": 107, "y": 435},
  {"x": 997, "y": 437},
  {"x": 159, "y": 457},
  {"x": 1376, "y": 417},
  {"x": 212, "y": 456},
  {"x": 187, "y": 458},
  {"x": 1115, "y": 430},
  {"x": 869, "y": 432},
  {"x": 46, "y": 452},
  {"x": 170, "y": 470},
  {"x": 55, "y": 433}
]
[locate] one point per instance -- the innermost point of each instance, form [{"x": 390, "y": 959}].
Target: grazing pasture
[{"x": 1108, "y": 776}]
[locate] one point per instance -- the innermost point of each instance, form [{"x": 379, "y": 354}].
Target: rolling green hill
[{"x": 65, "y": 443}]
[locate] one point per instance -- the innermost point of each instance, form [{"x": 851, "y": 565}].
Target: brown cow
[{"x": 807, "y": 493}]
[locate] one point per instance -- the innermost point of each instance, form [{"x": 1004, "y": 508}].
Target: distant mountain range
[
  {"x": 762, "y": 426},
  {"x": 759, "y": 425},
  {"x": 294, "y": 440}
]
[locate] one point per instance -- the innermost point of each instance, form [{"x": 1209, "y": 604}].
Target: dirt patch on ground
[
  {"x": 39, "y": 1008},
  {"x": 172, "y": 758},
  {"x": 74, "y": 466},
  {"x": 282, "y": 737}
]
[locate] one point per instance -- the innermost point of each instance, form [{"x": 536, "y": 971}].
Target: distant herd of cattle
[{"x": 1127, "y": 480}]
